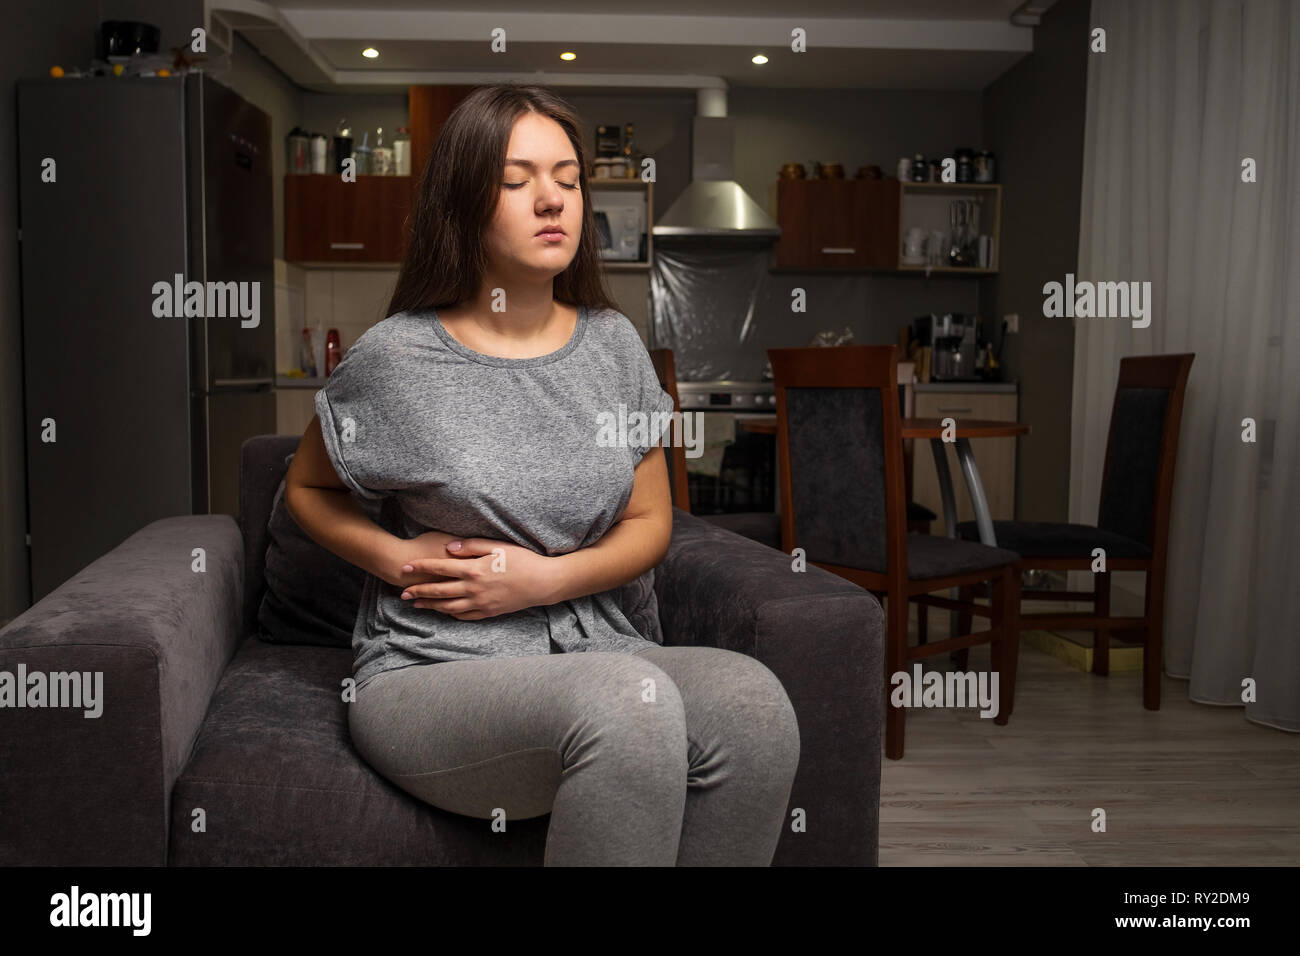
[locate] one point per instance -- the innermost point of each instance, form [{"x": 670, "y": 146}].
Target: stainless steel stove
[
  {"x": 737, "y": 470},
  {"x": 727, "y": 395}
]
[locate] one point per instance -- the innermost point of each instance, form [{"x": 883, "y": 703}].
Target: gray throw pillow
[{"x": 312, "y": 595}]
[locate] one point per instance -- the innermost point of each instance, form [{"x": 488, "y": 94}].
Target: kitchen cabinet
[
  {"x": 330, "y": 222},
  {"x": 837, "y": 224},
  {"x": 995, "y": 457},
  {"x": 429, "y": 107}
]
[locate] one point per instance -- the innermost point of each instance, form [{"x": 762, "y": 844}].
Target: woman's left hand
[{"x": 488, "y": 578}]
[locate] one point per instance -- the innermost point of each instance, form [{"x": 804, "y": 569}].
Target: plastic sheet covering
[{"x": 703, "y": 293}]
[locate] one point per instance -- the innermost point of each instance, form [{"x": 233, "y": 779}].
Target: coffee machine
[{"x": 953, "y": 339}]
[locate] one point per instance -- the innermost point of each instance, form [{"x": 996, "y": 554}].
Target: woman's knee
[
  {"x": 628, "y": 701},
  {"x": 754, "y": 697}
]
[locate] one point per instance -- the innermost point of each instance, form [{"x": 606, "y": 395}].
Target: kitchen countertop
[{"x": 286, "y": 381}]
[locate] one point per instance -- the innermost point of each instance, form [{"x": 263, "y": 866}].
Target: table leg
[
  {"x": 949, "y": 515},
  {"x": 983, "y": 520},
  {"x": 945, "y": 487}
]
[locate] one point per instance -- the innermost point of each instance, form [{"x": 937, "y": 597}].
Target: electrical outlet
[{"x": 1013, "y": 323}]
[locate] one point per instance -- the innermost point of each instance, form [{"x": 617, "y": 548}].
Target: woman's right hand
[{"x": 430, "y": 544}]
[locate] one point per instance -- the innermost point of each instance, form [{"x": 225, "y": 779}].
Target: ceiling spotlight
[
  {"x": 568, "y": 56},
  {"x": 370, "y": 52},
  {"x": 758, "y": 58}
]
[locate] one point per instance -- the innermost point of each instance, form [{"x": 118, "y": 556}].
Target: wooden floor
[{"x": 1188, "y": 785}]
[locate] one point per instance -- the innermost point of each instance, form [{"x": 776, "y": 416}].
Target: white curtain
[{"x": 1185, "y": 92}]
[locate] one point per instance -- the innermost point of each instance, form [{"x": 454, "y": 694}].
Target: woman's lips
[{"x": 550, "y": 236}]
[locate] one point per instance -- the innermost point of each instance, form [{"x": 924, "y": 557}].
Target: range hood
[{"x": 714, "y": 205}]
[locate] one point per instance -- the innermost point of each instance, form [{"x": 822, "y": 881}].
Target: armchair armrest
[
  {"x": 823, "y": 638},
  {"x": 95, "y": 790}
]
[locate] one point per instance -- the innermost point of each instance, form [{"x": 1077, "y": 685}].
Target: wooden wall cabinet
[
  {"x": 328, "y": 221},
  {"x": 429, "y": 107},
  {"x": 995, "y": 457},
  {"x": 837, "y": 224}
]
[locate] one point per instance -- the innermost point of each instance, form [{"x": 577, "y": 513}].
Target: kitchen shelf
[
  {"x": 950, "y": 270},
  {"x": 926, "y": 205},
  {"x": 951, "y": 187}
]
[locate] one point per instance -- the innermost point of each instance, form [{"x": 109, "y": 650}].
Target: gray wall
[
  {"x": 1034, "y": 122},
  {"x": 254, "y": 78}
]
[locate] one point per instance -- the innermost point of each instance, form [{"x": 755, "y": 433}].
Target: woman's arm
[
  {"x": 475, "y": 588},
  {"x": 637, "y": 543},
  {"x": 327, "y": 512}
]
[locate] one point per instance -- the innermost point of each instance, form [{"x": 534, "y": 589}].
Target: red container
[{"x": 333, "y": 351}]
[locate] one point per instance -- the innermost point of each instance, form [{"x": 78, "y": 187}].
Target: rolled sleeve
[
  {"x": 347, "y": 410},
  {"x": 657, "y": 405}
]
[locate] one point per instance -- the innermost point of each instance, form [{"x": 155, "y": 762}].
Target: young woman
[{"x": 497, "y": 672}]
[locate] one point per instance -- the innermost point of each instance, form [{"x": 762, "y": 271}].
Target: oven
[{"x": 736, "y": 471}]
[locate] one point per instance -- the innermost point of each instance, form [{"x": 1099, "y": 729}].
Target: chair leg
[
  {"x": 998, "y": 647},
  {"x": 895, "y": 662},
  {"x": 1101, "y": 634},
  {"x": 963, "y": 626},
  {"x": 1011, "y": 625},
  {"x": 1152, "y": 656}
]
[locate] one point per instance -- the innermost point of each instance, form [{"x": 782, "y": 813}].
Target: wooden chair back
[
  {"x": 841, "y": 445},
  {"x": 676, "y": 452}
]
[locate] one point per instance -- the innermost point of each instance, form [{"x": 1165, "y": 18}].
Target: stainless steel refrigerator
[{"x": 126, "y": 183}]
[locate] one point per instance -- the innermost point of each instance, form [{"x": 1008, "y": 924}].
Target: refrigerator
[{"x": 134, "y": 414}]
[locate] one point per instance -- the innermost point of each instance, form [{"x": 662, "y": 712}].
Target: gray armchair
[{"x": 217, "y": 748}]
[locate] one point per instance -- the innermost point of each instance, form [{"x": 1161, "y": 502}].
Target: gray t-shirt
[{"x": 479, "y": 446}]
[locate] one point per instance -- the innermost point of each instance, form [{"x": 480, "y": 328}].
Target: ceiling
[{"x": 863, "y": 44}]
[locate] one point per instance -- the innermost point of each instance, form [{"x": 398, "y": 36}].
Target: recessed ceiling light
[
  {"x": 568, "y": 56},
  {"x": 758, "y": 58},
  {"x": 370, "y": 52}
]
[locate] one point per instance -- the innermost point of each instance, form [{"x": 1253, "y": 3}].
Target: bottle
[
  {"x": 631, "y": 156},
  {"x": 362, "y": 155},
  {"x": 298, "y": 161},
  {"x": 918, "y": 168},
  {"x": 342, "y": 145},
  {"x": 306, "y": 354},
  {"x": 381, "y": 157},
  {"x": 319, "y": 149},
  {"x": 333, "y": 351},
  {"x": 402, "y": 152}
]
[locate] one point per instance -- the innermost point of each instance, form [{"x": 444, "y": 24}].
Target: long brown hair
[{"x": 458, "y": 194}]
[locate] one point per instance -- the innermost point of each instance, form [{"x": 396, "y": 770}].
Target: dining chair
[
  {"x": 675, "y": 453},
  {"x": 918, "y": 515},
  {"x": 1132, "y": 526},
  {"x": 842, "y": 497},
  {"x": 765, "y": 526}
]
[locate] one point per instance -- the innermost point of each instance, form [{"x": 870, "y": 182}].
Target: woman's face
[{"x": 539, "y": 188}]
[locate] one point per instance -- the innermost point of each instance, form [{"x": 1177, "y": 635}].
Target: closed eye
[{"x": 517, "y": 185}]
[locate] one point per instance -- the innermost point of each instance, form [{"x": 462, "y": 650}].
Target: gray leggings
[{"x": 693, "y": 769}]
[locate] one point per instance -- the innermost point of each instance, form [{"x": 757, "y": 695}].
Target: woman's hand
[
  {"x": 421, "y": 546},
  {"x": 482, "y": 578}
]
